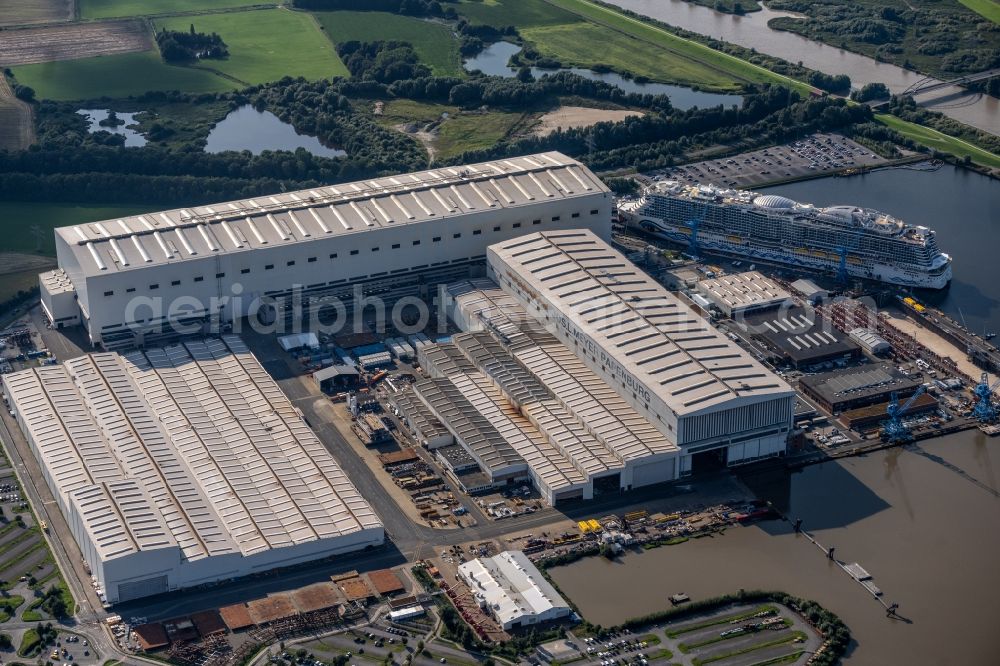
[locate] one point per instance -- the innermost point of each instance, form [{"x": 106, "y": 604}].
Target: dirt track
[
  {"x": 566, "y": 117},
  {"x": 25, "y": 12},
  {"x": 68, "y": 42},
  {"x": 16, "y": 126}
]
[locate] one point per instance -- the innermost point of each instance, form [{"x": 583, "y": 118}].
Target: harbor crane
[
  {"x": 693, "y": 224},
  {"x": 894, "y": 430},
  {"x": 984, "y": 411}
]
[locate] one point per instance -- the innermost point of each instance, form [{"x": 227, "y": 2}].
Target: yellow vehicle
[{"x": 44, "y": 525}]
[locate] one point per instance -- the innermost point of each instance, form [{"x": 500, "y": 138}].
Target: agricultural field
[
  {"x": 265, "y": 45},
  {"x": 17, "y": 219},
  {"x": 572, "y": 44},
  {"x": 988, "y": 8},
  {"x": 521, "y": 13},
  {"x": 91, "y": 9},
  {"x": 434, "y": 43},
  {"x": 72, "y": 41},
  {"x": 675, "y": 50},
  {"x": 16, "y": 129},
  {"x": 116, "y": 76},
  {"x": 25, "y": 12},
  {"x": 939, "y": 141}
]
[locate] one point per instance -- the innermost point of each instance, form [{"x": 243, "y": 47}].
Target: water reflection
[
  {"x": 126, "y": 128},
  {"x": 494, "y": 58},
  {"x": 246, "y": 128}
]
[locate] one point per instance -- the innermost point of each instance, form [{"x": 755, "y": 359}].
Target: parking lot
[
  {"x": 819, "y": 154},
  {"x": 734, "y": 636}
]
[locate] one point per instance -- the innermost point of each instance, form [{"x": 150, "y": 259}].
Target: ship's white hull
[{"x": 711, "y": 242}]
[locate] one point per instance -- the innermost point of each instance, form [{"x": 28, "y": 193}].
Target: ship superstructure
[{"x": 848, "y": 240}]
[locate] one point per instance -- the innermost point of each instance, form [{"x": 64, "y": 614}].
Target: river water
[
  {"x": 961, "y": 205},
  {"x": 751, "y": 31},
  {"x": 493, "y": 61},
  {"x": 922, "y": 521}
]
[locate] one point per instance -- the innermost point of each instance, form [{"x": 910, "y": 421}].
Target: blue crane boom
[
  {"x": 984, "y": 411},
  {"x": 894, "y": 429}
]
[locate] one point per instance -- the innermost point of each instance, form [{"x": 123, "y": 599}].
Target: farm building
[
  {"x": 138, "y": 451},
  {"x": 513, "y": 590},
  {"x": 139, "y": 279},
  {"x": 702, "y": 391}
]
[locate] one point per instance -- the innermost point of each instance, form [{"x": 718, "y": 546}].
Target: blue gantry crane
[
  {"x": 984, "y": 411},
  {"x": 693, "y": 225},
  {"x": 893, "y": 429}
]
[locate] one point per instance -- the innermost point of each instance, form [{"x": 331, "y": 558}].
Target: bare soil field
[
  {"x": 25, "y": 12},
  {"x": 566, "y": 117},
  {"x": 16, "y": 126},
  {"x": 26, "y": 46}
]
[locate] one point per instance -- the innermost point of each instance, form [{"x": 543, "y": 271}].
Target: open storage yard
[{"x": 69, "y": 42}]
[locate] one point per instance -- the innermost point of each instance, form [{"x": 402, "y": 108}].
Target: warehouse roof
[
  {"x": 800, "y": 335},
  {"x": 143, "y": 446},
  {"x": 299, "y": 217},
  {"x": 853, "y": 384},
  {"x": 648, "y": 331},
  {"x": 512, "y": 586},
  {"x": 741, "y": 291},
  {"x": 612, "y": 420}
]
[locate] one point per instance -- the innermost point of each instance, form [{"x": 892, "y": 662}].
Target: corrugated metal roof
[
  {"x": 192, "y": 444},
  {"x": 649, "y": 332},
  {"x": 295, "y": 217}
]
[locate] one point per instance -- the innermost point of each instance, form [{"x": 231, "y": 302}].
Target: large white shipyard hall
[
  {"x": 390, "y": 236},
  {"x": 700, "y": 389},
  {"x": 185, "y": 465}
]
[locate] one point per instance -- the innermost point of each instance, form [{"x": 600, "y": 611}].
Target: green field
[
  {"x": 474, "y": 131},
  {"x": 677, "y": 49},
  {"x": 17, "y": 218},
  {"x": 265, "y": 45},
  {"x": 115, "y": 76},
  {"x": 988, "y": 8},
  {"x": 572, "y": 44},
  {"x": 938, "y": 141},
  {"x": 91, "y": 9},
  {"x": 434, "y": 43},
  {"x": 522, "y": 13}
]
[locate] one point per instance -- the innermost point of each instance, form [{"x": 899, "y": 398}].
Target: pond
[
  {"x": 133, "y": 138},
  {"x": 493, "y": 61},
  {"x": 246, "y": 128}
]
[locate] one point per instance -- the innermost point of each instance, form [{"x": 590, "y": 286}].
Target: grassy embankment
[
  {"x": 434, "y": 42},
  {"x": 568, "y": 30},
  {"x": 988, "y": 8},
  {"x": 938, "y": 141}
]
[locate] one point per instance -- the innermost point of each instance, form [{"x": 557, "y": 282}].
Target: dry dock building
[
  {"x": 185, "y": 465},
  {"x": 700, "y": 390},
  {"x": 136, "y": 280}
]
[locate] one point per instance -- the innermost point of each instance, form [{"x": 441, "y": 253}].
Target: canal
[
  {"x": 961, "y": 205},
  {"x": 922, "y": 521},
  {"x": 752, "y": 31}
]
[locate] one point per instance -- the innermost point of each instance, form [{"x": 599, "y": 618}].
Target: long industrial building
[
  {"x": 699, "y": 388},
  {"x": 136, "y": 280},
  {"x": 185, "y": 465}
]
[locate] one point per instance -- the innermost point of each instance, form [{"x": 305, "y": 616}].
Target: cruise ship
[{"x": 844, "y": 240}]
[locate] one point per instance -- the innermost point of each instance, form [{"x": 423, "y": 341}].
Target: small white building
[
  {"x": 513, "y": 590},
  {"x": 870, "y": 341}
]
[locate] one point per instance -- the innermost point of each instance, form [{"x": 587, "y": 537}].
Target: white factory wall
[{"x": 105, "y": 298}]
